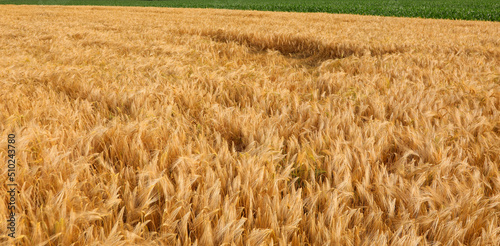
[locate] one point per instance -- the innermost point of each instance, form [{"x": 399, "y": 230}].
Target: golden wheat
[{"x": 147, "y": 126}]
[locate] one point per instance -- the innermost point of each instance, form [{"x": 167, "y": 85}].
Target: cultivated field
[
  {"x": 488, "y": 10},
  {"x": 144, "y": 126}
]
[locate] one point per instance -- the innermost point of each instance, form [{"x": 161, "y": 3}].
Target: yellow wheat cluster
[{"x": 158, "y": 126}]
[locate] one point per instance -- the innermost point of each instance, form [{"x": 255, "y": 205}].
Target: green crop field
[{"x": 446, "y": 9}]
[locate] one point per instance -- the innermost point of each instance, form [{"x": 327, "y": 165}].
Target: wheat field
[{"x": 159, "y": 126}]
